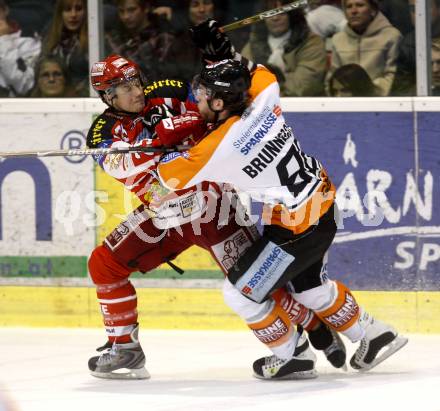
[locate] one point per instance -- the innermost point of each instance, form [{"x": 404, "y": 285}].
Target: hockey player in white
[{"x": 265, "y": 160}]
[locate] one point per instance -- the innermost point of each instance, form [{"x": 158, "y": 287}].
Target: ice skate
[
  {"x": 300, "y": 367},
  {"x": 327, "y": 340},
  {"x": 120, "y": 361},
  {"x": 380, "y": 342}
]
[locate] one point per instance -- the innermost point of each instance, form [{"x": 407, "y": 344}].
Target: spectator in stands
[
  {"x": 285, "y": 44},
  {"x": 31, "y": 15},
  {"x": 326, "y": 18},
  {"x": 67, "y": 39},
  {"x": 369, "y": 40},
  {"x": 435, "y": 60},
  {"x": 17, "y": 57},
  {"x": 51, "y": 79},
  {"x": 184, "y": 59},
  {"x": 351, "y": 80},
  {"x": 141, "y": 36},
  {"x": 177, "y": 12},
  {"x": 405, "y": 82}
]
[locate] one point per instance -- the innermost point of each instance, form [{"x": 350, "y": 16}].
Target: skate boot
[
  {"x": 378, "y": 336},
  {"x": 120, "y": 361},
  {"x": 300, "y": 367},
  {"x": 327, "y": 340}
]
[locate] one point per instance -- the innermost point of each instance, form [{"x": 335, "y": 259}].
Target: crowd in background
[{"x": 334, "y": 48}]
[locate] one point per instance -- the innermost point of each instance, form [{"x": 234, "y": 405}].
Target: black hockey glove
[
  {"x": 214, "y": 44},
  {"x": 155, "y": 116}
]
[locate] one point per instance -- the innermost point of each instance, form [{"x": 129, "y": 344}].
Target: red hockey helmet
[{"x": 112, "y": 71}]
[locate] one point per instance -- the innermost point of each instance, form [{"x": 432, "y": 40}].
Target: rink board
[
  {"x": 378, "y": 151},
  {"x": 415, "y": 312}
]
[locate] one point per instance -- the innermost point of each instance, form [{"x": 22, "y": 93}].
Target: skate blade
[
  {"x": 128, "y": 374},
  {"x": 394, "y": 346},
  {"x": 300, "y": 375}
]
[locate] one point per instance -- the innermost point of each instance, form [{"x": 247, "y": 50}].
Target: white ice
[{"x": 46, "y": 369}]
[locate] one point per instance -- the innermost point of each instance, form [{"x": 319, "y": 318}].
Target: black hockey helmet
[{"x": 227, "y": 79}]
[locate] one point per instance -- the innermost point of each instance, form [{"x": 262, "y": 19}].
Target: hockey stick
[
  {"x": 91, "y": 151},
  {"x": 265, "y": 15}
]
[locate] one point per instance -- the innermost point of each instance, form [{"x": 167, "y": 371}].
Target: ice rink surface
[{"x": 46, "y": 369}]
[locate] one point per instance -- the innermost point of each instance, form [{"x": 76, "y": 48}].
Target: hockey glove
[
  {"x": 178, "y": 129},
  {"x": 154, "y": 117},
  {"x": 213, "y": 43}
]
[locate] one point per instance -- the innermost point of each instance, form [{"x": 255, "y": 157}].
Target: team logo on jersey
[
  {"x": 277, "y": 110},
  {"x": 257, "y": 130},
  {"x": 97, "y": 132},
  {"x": 189, "y": 205},
  {"x": 172, "y": 156},
  {"x": 121, "y": 132},
  {"x": 117, "y": 236},
  {"x": 156, "y": 192},
  {"x": 228, "y": 251},
  {"x": 257, "y": 281},
  {"x": 163, "y": 83},
  {"x": 115, "y": 161}
]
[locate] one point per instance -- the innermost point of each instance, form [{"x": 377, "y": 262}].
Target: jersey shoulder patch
[
  {"x": 167, "y": 88},
  {"x": 101, "y": 130}
]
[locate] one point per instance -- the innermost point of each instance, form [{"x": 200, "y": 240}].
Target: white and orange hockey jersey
[{"x": 258, "y": 154}]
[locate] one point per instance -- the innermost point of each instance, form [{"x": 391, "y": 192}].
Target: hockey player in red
[
  {"x": 266, "y": 161},
  {"x": 151, "y": 235},
  {"x": 167, "y": 222}
]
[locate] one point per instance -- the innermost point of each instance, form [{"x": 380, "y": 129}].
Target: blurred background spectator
[
  {"x": 31, "y": 15},
  {"x": 67, "y": 39},
  {"x": 287, "y": 46},
  {"x": 185, "y": 60},
  {"x": 17, "y": 57},
  {"x": 154, "y": 33},
  {"x": 141, "y": 36},
  {"x": 172, "y": 11},
  {"x": 326, "y": 18},
  {"x": 435, "y": 58},
  {"x": 369, "y": 40},
  {"x": 51, "y": 79},
  {"x": 351, "y": 80},
  {"x": 227, "y": 11},
  {"x": 405, "y": 82}
]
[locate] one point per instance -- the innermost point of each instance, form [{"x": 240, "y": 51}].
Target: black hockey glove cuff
[{"x": 213, "y": 43}]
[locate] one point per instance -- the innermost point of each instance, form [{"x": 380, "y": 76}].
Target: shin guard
[{"x": 342, "y": 313}]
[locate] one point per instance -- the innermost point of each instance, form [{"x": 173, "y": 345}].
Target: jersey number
[{"x": 300, "y": 178}]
